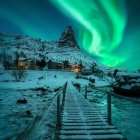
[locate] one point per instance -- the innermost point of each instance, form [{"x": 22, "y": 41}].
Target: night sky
[{"x": 107, "y": 30}]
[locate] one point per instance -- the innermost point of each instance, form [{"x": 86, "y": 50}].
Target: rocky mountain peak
[{"x": 67, "y": 38}]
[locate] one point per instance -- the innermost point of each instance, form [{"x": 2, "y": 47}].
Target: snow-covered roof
[{"x": 24, "y": 59}]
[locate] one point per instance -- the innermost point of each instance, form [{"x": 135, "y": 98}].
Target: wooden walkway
[{"x": 80, "y": 121}]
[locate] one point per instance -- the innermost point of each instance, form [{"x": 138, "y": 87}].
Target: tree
[
  {"x": 81, "y": 65},
  {"x": 18, "y": 74},
  {"x": 16, "y": 57},
  {"x": 5, "y": 59},
  {"x": 41, "y": 63},
  {"x": 66, "y": 64}
]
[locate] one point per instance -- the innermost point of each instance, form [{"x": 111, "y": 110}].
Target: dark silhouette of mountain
[{"x": 67, "y": 38}]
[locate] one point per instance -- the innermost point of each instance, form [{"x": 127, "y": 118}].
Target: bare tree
[
  {"x": 18, "y": 74},
  {"x": 5, "y": 59},
  {"x": 66, "y": 64}
]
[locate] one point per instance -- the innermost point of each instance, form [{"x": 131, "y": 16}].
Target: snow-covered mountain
[
  {"x": 67, "y": 39},
  {"x": 66, "y": 48}
]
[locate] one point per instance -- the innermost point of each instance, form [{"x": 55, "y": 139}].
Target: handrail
[
  {"x": 27, "y": 133},
  {"x": 109, "y": 100},
  {"x": 60, "y": 107},
  {"x": 116, "y": 95},
  {"x": 109, "y": 106}
]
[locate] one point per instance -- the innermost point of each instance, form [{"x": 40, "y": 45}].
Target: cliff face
[{"x": 67, "y": 38}]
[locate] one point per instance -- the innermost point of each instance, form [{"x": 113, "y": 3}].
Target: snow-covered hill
[{"x": 65, "y": 48}]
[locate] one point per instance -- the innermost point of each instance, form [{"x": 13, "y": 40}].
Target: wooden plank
[
  {"x": 87, "y": 127},
  {"x": 80, "y": 121},
  {"x": 90, "y": 132},
  {"x": 87, "y": 118},
  {"x": 94, "y": 137},
  {"x": 83, "y": 123}
]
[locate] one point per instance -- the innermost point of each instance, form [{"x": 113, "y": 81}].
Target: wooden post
[
  {"x": 109, "y": 108},
  {"x": 58, "y": 112},
  {"x": 78, "y": 87},
  {"x": 85, "y": 92},
  {"x": 63, "y": 99},
  {"x": 64, "y": 92}
]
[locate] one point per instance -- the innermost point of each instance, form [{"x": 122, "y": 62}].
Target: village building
[
  {"x": 75, "y": 68},
  {"x": 25, "y": 63},
  {"x": 55, "y": 65},
  {"x": 61, "y": 66},
  {"x": 86, "y": 71}
]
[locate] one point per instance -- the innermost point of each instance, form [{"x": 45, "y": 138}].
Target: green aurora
[{"x": 101, "y": 26}]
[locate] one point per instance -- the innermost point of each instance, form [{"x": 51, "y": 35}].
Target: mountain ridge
[{"x": 37, "y": 48}]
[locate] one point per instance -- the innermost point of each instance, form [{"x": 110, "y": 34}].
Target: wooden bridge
[{"x": 79, "y": 120}]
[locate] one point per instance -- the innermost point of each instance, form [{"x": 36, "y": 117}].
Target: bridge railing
[
  {"x": 120, "y": 110},
  {"x": 59, "y": 108},
  {"x": 60, "y": 104},
  {"x": 109, "y": 96},
  {"x": 57, "y": 103}
]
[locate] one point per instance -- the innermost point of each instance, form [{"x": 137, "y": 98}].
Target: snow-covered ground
[
  {"x": 49, "y": 78},
  {"x": 31, "y": 79},
  {"x": 14, "y": 118}
]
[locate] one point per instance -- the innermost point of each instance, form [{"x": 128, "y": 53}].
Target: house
[
  {"x": 86, "y": 71},
  {"x": 25, "y": 63},
  {"x": 55, "y": 65},
  {"x": 75, "y": 68},
  {"x": 63, "y": 66}
]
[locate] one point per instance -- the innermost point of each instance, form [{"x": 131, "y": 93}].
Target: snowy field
[
  {"x": 49, "y": 78},
  {"x": 31, "y": 79},
  {"x": 14, "y": 117}
]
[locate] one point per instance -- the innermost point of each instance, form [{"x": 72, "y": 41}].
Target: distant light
[
  {"x": 76, "y": 70},
  {"x": 20, "y": 64}
]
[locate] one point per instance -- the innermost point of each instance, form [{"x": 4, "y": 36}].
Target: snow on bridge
[{"x": 80, "y": 120}]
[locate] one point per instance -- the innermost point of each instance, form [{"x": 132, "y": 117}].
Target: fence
[
  {"x": 108, "y": 99},
  {"x": 60, "y": 107},
  {"x": 122, "y": 111}
]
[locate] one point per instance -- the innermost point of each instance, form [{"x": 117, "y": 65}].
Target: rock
[
  {"x": 92, "y": 80},
  {"x": 40, "y": 89},
  {"x": 28, "y": 112},
  {"x": 22, "y": 101},
  {"x": 67, "y": 38},
  {"x": 57, "y": 89}
]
